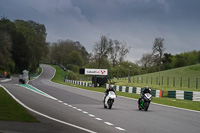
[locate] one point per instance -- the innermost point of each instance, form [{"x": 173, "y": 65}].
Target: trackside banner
[{"x": 96, "y": 71}]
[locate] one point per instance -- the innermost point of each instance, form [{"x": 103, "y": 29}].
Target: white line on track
[
  {"x": 108, "y": 123},
  {"x": 70, "y": 105},
  {"x": 74, "y": 107},
  {"x": 79, "y": 109},
  {"x": 91, "y": 115},
  {"x": 65, "y": 104},
  {"x": 99, "y": 119},
  {"x": 85, "y": 112},
  {"x": 119, "y": 128}
]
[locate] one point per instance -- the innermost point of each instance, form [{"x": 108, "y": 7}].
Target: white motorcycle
[{"x": 109, "y": 100}]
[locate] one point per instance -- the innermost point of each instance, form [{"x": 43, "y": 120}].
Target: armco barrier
[
  {"x": 172, "y": 94},
  {"x": 137, "y": 90},
  {"x": 134, "y": 90},
  {"x": 196, "y": 96},
  {"x": 180, "y": 95},
  {"x": 185, "y": 95},
  {"x": 188, "y": 95},
  {"x": 153, "y": 92}
]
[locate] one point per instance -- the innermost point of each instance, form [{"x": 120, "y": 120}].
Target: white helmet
[{"x": 111, "y": 87}]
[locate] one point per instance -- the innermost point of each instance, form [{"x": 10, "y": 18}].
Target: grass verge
[
  {"x": 10, "y": 110},
  {"x": 186, "y": 104}
]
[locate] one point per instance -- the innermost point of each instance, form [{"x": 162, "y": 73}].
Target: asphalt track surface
[{"x": 81, "y": 111}]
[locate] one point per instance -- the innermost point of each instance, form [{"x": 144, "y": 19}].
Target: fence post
[
  {"x": 156, "y": 80},
  {"x": 167, "y": 81},
  {"x": 137, "y": 79},
  {"x": 151, "y": 80},
  {"x": 174, "y": 82},
  {"x": 181, "y": 81},
  {"x": 188, "y": 82},
  {"x": 146, "y": 80},
  {"x": 197, "y": 83},
  {"x": 142, "y": 79},
  {"x": 162, "y": 81}
]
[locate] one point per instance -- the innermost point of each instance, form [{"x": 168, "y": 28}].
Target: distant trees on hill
[
  {"x": 157, "y": 59},
  {"x": 185, "y": 59},
  {"x": 68, "y": 53}
]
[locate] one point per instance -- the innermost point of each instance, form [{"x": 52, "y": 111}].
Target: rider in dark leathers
[
  {"x": 111, "y": 88},
  {"x": 146, "y": 90}
]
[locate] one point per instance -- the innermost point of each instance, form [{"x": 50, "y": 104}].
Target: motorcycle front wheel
[
  {"x": 146, "y": 106},
  {"x": 139, "y": 105},
  {"x": 110, "y": 103}
]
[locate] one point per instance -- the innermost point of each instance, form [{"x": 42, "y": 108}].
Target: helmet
[
  {"x": 146, "y": 87},
  {"x": 111, "y": 87}
]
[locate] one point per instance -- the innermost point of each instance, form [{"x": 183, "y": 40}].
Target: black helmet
[{"x": 147, "y": 87}]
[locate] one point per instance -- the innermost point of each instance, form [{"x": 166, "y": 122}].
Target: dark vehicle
[{"x": 144, "y": 102}]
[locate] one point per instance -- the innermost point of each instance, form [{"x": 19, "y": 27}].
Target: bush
[{"x": 72, "y": 76}]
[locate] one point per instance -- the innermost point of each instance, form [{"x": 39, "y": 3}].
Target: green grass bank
[
  {"x": 10, "y": 110},
  {"x": 184, "y": 78}
]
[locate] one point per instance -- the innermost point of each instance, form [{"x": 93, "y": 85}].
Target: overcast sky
[{"x": 136, "y": 22}]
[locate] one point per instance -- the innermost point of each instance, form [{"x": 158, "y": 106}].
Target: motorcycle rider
[
  {"x": 146, "y": 90},
  {"x": 111, "y": 88}
]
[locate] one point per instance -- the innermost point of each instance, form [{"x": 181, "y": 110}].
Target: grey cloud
[{"x": 136, "y": 22}]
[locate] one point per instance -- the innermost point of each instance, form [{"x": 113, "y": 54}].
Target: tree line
[
  {"x": 22, "y": 45},
  {"x": 107, "y": 53}
]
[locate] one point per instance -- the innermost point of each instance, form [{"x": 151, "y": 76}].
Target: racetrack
[{"x": 77, "y": 110}]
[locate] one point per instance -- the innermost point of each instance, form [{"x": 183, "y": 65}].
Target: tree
[
  {"x": 61, "y": 50},
  {"x": 158, "y": 48},
  {"x": 123, "y": 51},
  {"x": 18, "y": 48},
  {"x": 5, "y": 51},
  {"x": 83, "y": 52},
  {"x": 75, "y": 59},
  {"x": 35, "y": 36},
  {"x": 178, "y": 61},
  {"x": 107, "y": 48},
  {"x": 101, "y": 50},
  {"x": 167, "y": 60},
  {"x": 198, "y": 56},
  {"x": 147, "y": 60},
  {"x": 191, "y": 57},
  {"x": 117, "y": 51}
]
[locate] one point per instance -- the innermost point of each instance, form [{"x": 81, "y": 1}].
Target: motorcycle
[
  {"x": 109, "y": 99},
  {"x": 144, "y": 102}
]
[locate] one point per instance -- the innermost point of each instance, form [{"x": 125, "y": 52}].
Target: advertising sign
[{"x": 96, "y": 71}]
